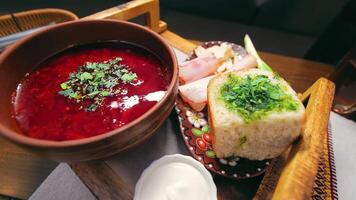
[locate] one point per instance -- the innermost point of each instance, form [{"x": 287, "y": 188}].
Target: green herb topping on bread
[{"x": 254, "y": 96}]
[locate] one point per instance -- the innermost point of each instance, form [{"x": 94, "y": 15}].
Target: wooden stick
[
  {"x": 133, "y": 9},
  {"x": 102, "y": 181},
  {"x": 270, "y": 179},
  {"x": 178, "y": 42}
]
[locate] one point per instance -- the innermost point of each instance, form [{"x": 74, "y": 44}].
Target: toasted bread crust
[{"x": 211, "y": 116}]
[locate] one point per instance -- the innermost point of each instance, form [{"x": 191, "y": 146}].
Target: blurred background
[{"x": 320, "y": 30}]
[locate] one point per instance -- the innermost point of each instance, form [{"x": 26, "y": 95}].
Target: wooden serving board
[{"x": 290, "y": 176}]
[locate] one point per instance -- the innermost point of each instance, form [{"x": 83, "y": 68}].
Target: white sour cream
[
  {"x": 175, "y": 177},
  {"x": 155, "y": 96}
]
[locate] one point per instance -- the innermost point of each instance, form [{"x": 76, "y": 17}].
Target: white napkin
[
  {"x": 344, "y": 144},
  {"x": 62, "y": 183}
]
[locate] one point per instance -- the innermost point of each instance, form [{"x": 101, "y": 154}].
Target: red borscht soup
[{"x": 89, "y": 90}]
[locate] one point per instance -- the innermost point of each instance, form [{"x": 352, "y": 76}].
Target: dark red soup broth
[{"x": 41, "y": 112}]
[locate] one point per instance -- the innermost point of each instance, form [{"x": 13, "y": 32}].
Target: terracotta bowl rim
[{"x": 39, "y": 143}]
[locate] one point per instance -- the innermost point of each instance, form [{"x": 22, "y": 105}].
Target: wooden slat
[
  {"x": 21, "y": 171},
  {"x": 133, "y": 9},
  {"x": 102, "y": 181},
  {"x": 178, "y": 42},
  {"x": 271, "y": 177}
]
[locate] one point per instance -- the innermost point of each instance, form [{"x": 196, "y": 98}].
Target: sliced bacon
[
  {"x": 192, "y": 73},
  {"x": 247, "y": 61},
  {"x": 198, "y": 68},
  {"x": 195, "y": 93}
]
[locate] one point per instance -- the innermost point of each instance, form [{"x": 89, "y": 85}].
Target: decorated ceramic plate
[{"x": 195, "y": 131}]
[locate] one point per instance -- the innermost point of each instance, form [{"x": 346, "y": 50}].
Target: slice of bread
[{"x": 260, "y": 139}]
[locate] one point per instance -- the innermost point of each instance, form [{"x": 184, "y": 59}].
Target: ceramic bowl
[{"x": 23, "y": 56}]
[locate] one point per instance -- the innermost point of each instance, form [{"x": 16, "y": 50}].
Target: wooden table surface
[{"x": 22, "y": 172}]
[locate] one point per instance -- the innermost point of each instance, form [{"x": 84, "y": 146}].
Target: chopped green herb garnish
[
  {"x": 253, "y": 97},
  {"x": 85, "y": 76},
  {"x": 128, "y": 77},
  {"x": 66, "y": 92},
  {"x": 64, "y": 86},
  {"x": 75, "y": 95},
  {"x": 91, "y": 107},
  {"x": 95, "y": 81},
  {"x": 104, "y": 93}
]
